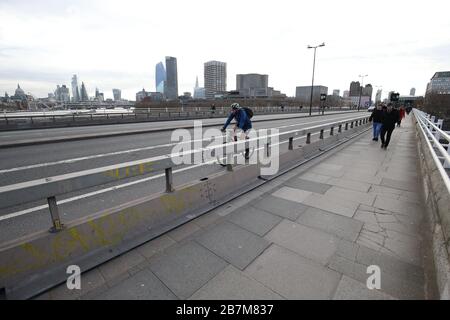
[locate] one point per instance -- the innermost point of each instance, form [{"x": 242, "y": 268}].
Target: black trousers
[{"x": 386, "y": 135}]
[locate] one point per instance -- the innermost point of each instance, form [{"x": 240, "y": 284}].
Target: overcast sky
[{"x": 116, "y": 44}]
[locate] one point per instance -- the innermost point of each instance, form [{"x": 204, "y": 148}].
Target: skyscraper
[
  {"x": 62, "y": 93},
  {"x": 215, "y": 73},
  {"x": 117, "y": 93},
  {"x": 171, "y": 83},
  {"x": 160, "y": 77},
  {"x": 199, "y": 93},
  {"x": 355, "y": 88},
  {"x": 84, "y": 95},
  {"x": 75, "y": 91},
  {"x": 378, "y": 96}
]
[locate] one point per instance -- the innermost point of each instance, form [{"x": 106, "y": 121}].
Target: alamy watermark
[
  {"x": 262, "y": 145},
  {"x": 74, "y": 280},
  {"x": 374, "y": 280}
]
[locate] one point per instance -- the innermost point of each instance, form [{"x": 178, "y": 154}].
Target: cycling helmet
[{"x": 235, "y": 106}]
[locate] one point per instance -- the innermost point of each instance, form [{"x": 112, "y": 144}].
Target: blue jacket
[{"x": 243, "y": 121}]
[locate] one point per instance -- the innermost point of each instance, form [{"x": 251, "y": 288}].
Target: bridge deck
[{"x": 309, "y": 234}]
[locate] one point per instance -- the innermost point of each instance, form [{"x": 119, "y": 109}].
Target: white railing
[{"x": 434, "y": 135}]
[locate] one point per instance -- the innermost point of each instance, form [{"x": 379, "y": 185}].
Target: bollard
[
  {"x": 169, "y": 180},
  {"x": 332, "y": 131},
  {"x": 268, "y": 149},
  {"x": 340, "y": 128},
  {"x": 346, "y": 126},
  {"x": 308, "y": 138},
  {"x": 351, "y": 125},
  {"x": 291, "y": 143},
  {"x": 321, "y": 134},
  {"x": 54, "y": 212}
]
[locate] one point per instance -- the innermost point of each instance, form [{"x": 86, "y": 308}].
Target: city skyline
[{"x": 390, "y": 53}]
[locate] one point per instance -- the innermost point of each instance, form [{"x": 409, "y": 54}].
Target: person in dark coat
[
  {"x": 389, "y": 118},
  {"x": 376, "y": 117}
]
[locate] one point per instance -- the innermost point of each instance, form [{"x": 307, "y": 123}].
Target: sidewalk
[{"x": 309, "y": 234}]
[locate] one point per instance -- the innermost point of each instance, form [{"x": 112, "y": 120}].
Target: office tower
[
  {"x": 171, "y": 83},
  {"x": 355, "y": 88},
  {"x": 215, "y": 73},
  {"x": 253, "y": 85},
  {"x": 336, "y": 92},
  {"x": 303, "y": 93},
  {"x": 62, "y": 93},
  {"x": 378, "y": 96},
  {"x": 412, "y": 92},
  {"x": 367, "y": 91},
  {"x": 346, "y": 94},
  {"x": 117, "y": 93},
  {"x": 440, "y": 83},
  {"x": 84, "y": 95},
  {"x": 75, "y": 90},
  {"x": 160, "y": 77}
]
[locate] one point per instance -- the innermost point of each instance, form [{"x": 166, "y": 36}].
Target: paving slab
[
  {"x": 281, "y": 207},
  {"x": 306, "y": 185},
  {"x": 234, "y": 244},
  {"x": 186, "y": 268},
  {"x": 255, "y": 220},
  {"x": 292, "y": 276},
  {"x": 308, "y": 242},
  {"x": 233, "y": 284},
  {"x": 340, "y": 226},
  {"x": 142, "y": 286},
  {"x": 292, "y": 194},
  {"x": 349, "y": 289}
]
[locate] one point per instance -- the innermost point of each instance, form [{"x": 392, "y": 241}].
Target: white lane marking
[
  {"x": 46, "y": 164},
  {"x": 94, "y": 193}
]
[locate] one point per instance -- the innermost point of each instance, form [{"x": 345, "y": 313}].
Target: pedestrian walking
[
  {"x": 376, "y": 117},
  {"x": 401, "y": 115},
  {"x": 389, "y": 118}
]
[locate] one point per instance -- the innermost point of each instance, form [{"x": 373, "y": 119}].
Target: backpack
[{"x": 248, "y": 111}]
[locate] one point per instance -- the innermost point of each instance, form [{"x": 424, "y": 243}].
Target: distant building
[
  {"x": 253, "y": 85},
  {"x": 439, "y": 83},
  {"x": 99, "y": 96},
  {"x": 171, "y": 83},
  {"x": 153, "y": 96},
  {"x": 346, "y": 94},
  {"x": 19, "y": 94},
  {"x": 303, "y": 93},
  {"x": 365, "y": 101},
  {"x": 62, "y": 93},
  {"x": 160, "y": 77},
  {"x": 412, "y": 92},
  {"x": 199, "y": 93},
  {"x": 75, "y": 90},
  {"x": 215, "y": 73},
  {"x": 378, "y": 96},
  {"x": 117, "y": 94},
  {"x": 336, "y": 92},
  {"x": 355, "y": 88},
  {"x": 84, "y": 94}
]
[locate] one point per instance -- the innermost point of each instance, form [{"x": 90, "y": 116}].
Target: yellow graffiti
[
  {"x": 108, "y": 230},
  {"x": 130, "y": 171}
]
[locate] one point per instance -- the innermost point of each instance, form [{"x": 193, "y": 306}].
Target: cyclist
[{"x": 243, "y": 123}]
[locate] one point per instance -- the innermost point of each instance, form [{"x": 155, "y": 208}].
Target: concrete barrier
[
  {"x": 35, "y": 263},
  {"x": 437, "y": 201}
]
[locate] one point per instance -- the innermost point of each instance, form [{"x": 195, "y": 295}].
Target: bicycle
[{"x": 232, "y": 136}]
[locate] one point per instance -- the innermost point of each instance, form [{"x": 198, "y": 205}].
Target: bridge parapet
[{"x": 434, "y": 161}]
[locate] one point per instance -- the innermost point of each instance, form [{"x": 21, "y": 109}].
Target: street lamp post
[
  {"x": 361, "y": 89},
  {"x": 314, "y": 67}
]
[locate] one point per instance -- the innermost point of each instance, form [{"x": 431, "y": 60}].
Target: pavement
[{"x": 311, "y": 233}]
